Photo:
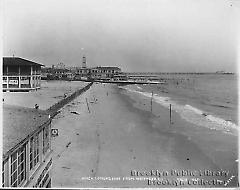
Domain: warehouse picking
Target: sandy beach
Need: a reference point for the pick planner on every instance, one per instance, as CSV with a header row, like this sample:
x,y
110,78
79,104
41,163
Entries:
x,y
120,94
107,134
50,93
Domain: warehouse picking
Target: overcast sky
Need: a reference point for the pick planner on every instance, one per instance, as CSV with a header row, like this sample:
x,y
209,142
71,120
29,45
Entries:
x,y
136,35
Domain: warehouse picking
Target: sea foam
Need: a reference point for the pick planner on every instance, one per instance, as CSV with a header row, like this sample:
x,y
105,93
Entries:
x,y
189,113
197,111
139,87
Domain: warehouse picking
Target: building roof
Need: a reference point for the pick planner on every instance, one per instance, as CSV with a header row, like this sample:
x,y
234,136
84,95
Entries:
x,y
18,61
18,123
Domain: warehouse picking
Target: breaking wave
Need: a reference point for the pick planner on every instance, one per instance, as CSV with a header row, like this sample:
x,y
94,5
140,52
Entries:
x,y
190,113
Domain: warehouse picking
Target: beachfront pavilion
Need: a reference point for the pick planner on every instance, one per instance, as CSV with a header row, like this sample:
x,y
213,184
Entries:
x,y
83,72
27,154
20,74
106,73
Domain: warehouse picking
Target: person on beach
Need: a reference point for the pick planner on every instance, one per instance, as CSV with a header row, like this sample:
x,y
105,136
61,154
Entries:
x,y
36,106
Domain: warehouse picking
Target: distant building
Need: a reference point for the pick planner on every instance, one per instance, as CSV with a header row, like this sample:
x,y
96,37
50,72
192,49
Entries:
x,y
82,73
120,77
69,75
55,73
47,73
60,73
104,73
27,154
60,66
20,74
99,73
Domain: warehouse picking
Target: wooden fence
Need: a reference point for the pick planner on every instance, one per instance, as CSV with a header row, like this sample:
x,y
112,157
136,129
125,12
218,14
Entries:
x,y
54,109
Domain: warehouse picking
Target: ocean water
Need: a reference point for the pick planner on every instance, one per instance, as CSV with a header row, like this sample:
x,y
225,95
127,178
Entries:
x,y
205,100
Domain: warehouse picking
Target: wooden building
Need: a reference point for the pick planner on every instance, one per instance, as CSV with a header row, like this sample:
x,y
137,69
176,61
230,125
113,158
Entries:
x,y
104,73
82,73
27,154
20,74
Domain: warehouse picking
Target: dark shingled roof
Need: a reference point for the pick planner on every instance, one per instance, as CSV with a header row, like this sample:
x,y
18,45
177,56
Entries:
x,y
18,123
18,61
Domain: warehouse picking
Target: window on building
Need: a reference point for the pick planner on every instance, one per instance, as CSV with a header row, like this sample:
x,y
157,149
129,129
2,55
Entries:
x,y
46,139
14,169
25,70
13,70
44,180
4,82
18,166
13,82
5,70
34,151
31,152
21,164
25,82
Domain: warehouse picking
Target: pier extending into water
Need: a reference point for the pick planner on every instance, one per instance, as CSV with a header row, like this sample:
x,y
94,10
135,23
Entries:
x,y
175,73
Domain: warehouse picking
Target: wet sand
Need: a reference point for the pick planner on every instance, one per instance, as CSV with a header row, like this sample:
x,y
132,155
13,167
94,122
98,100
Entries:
x,y
220,148
120,135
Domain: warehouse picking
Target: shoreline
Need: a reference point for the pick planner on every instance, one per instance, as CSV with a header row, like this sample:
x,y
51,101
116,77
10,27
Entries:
x,y
188,112
211,144
213,95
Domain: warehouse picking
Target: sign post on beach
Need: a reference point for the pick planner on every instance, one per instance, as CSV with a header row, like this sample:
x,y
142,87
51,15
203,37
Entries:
x,y
170,113
151,101
54,132
87,105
